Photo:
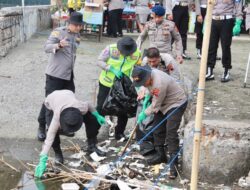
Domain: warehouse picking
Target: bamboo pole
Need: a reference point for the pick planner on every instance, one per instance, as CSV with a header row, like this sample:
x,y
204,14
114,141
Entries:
x,y
200,97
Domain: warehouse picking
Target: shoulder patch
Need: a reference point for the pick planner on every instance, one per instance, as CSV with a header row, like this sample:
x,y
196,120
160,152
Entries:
x,y
115,54
55,33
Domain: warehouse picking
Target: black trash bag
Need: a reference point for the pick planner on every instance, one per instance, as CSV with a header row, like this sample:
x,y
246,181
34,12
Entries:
x,y
122,98
147,146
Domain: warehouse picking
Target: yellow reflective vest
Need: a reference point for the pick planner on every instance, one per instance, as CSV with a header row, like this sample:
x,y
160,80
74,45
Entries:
x,y
74,4
119,62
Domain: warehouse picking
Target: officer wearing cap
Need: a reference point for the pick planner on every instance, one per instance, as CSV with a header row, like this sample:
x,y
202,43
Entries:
x,y
116,60
64,112
161,32
179,14
167,96
61,45
226,22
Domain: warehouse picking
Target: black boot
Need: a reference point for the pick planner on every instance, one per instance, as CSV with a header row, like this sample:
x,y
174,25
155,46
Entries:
x,y
158,157
92,148
210,74
41,134
225,76
173,166
58,155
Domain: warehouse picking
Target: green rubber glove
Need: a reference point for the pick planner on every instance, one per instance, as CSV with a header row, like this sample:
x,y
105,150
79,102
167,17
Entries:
x,y
117,73
237,29
101,120
145,102
141,117
41,167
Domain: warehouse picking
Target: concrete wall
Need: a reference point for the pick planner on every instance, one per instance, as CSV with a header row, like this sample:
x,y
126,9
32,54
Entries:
x,y
16,25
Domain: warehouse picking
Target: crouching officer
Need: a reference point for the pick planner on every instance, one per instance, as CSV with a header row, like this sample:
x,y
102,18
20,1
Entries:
x,y
224,26
116,60
164,62
168,100
66,113
161,33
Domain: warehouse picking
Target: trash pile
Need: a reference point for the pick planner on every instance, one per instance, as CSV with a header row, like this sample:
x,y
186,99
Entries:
x,y
116,171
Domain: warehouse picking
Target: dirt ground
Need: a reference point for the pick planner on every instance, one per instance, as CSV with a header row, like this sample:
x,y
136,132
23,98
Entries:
x,y
22,81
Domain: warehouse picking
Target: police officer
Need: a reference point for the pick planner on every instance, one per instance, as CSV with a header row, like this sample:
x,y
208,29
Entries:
x,y
61,44
142,12
64,112
180,16
116,60
164,62
226,22
167,96
200,10
161,32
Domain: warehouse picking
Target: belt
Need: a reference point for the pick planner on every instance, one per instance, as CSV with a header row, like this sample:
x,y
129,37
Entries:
x,y
183,4
203,6
223,17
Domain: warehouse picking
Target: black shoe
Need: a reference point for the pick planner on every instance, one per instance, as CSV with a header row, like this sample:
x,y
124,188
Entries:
x,y
92,148
120,136
209,75
174,164
41,134
58,156
226,76
185,56
158,157
120,35
68,134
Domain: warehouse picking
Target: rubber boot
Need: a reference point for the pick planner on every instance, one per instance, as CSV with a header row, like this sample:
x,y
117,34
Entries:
x,y
58,155
41,134
92,148
173,166
158,157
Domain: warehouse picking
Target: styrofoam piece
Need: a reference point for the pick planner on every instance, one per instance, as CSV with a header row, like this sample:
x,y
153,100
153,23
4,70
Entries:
x,y
70,186
96,158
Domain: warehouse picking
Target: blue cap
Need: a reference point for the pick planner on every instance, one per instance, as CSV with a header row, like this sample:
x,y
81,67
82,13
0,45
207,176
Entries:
x,y
158,10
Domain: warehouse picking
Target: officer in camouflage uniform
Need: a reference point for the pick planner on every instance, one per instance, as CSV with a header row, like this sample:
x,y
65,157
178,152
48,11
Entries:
x,y
161,32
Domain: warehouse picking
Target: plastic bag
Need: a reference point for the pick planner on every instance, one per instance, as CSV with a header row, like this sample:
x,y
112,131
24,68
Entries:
x,y
122,98
147,146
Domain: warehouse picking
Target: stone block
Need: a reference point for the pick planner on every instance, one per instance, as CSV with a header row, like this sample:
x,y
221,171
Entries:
x,y
7,33
224,151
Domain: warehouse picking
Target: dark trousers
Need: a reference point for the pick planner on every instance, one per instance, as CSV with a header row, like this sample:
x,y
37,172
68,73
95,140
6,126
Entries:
x,y
52,84
221,30
115,22
198,29
167,132
101,97
91,127
181,18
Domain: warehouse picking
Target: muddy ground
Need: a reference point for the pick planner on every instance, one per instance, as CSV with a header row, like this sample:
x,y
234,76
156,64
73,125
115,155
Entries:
x,y
22,82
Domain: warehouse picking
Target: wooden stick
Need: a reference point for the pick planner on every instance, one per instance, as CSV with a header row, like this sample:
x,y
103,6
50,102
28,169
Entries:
x,y
200,97
5,76
7,164
129,140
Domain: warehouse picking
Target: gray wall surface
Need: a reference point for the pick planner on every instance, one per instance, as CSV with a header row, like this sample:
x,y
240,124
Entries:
x,y
18,24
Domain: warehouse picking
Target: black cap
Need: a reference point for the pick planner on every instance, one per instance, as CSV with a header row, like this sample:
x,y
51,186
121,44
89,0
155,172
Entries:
x,y
126,46
76,18
141,74
71,119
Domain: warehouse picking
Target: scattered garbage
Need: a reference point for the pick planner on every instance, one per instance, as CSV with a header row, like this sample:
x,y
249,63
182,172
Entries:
x,y
96,158
70,186
244,182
